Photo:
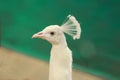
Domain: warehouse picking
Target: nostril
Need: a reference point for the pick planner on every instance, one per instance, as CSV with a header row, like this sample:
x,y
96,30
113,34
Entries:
x,y
40,33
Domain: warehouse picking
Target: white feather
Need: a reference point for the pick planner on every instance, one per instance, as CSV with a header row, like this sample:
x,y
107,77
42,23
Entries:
x,y
72,27
60,63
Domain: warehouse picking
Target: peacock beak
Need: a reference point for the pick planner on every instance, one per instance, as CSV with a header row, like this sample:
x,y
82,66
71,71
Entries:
x,y
38,35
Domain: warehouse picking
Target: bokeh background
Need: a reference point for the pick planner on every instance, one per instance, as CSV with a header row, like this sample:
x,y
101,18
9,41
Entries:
x,y
98,50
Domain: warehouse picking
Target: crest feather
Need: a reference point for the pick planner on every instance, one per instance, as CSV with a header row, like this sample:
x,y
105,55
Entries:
x,y
72,27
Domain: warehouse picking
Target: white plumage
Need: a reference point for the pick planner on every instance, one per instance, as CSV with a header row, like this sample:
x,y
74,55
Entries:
x,y
60,67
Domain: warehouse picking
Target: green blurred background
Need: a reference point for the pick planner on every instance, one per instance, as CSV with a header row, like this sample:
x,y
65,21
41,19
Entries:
x,y
98,50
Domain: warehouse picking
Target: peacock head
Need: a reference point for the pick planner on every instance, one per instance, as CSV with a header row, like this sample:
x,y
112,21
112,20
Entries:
x,y
55,34
52,34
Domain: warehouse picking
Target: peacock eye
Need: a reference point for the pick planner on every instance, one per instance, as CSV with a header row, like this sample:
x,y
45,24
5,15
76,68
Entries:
x,y
52,33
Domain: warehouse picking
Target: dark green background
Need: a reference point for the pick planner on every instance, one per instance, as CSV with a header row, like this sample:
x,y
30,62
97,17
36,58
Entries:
x,y
98,50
